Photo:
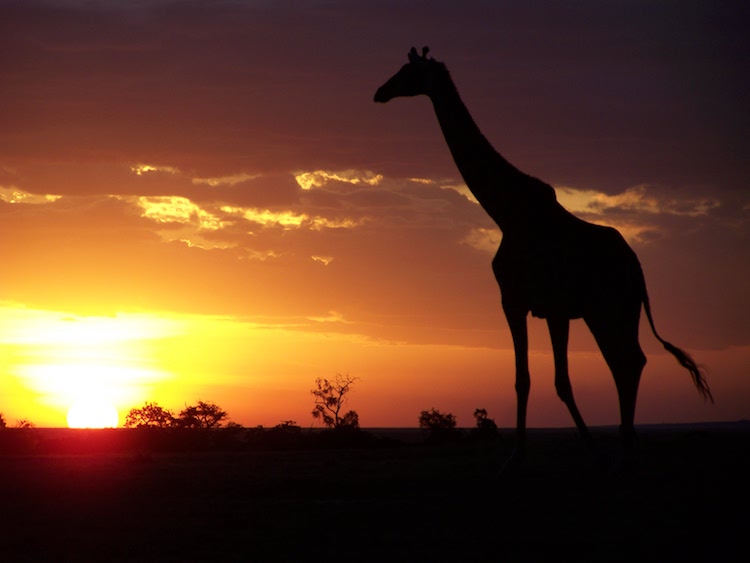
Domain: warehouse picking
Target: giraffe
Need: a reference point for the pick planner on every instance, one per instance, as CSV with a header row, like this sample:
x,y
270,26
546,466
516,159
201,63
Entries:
x,y
549,263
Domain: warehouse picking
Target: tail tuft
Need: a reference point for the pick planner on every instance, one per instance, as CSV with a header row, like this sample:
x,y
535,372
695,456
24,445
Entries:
x,y
697,373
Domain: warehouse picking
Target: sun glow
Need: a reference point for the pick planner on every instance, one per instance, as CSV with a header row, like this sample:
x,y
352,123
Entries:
x,y
83,368
88,388
89,413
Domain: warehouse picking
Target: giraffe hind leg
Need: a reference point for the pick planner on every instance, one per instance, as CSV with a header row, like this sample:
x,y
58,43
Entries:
x,y
617,337
627,376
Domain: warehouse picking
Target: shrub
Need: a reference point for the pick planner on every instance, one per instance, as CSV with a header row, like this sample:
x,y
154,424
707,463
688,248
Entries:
x,y
440,427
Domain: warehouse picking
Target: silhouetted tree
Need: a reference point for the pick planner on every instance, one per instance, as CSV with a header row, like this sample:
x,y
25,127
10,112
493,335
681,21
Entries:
x,y
290,425
486,427
151,415
441,426
25,423
3,424
330,398
349,420
202,415
434,419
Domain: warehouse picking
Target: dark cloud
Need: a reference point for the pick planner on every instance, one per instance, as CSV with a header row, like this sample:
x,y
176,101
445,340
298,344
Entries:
x,y
597,95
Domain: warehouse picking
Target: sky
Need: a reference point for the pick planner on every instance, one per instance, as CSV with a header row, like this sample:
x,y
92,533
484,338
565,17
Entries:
x,y
200,201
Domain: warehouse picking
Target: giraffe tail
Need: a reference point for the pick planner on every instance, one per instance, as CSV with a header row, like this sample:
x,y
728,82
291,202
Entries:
x,y
697,372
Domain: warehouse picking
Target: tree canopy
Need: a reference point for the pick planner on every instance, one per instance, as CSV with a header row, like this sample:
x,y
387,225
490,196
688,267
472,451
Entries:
x,y
152,415
330,398
202,415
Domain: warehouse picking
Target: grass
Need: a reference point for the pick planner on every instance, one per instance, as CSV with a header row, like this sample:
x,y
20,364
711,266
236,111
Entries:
x,y
687,499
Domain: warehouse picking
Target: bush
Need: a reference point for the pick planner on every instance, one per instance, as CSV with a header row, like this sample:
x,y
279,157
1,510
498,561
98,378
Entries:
x,y
440,427
486,428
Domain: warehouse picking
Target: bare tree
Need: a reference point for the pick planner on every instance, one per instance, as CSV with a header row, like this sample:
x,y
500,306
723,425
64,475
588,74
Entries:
x,y
330,398
25,423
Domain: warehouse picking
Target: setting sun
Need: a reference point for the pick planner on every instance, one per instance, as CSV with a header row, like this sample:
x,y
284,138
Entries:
x,y
92,414
82,370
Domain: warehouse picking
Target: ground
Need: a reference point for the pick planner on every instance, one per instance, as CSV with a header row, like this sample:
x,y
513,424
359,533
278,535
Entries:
x,y
686,500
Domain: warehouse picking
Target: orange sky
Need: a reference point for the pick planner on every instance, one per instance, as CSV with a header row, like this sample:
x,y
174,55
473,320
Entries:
x,y
201,201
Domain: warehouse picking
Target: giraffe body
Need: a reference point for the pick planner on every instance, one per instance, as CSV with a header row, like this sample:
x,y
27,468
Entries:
x,y
550,263
566,267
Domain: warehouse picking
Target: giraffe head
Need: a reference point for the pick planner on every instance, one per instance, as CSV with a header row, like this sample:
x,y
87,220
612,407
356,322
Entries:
x,y
415,77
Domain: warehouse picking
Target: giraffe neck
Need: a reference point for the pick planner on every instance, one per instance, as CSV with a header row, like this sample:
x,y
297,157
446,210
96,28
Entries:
x,y
487,174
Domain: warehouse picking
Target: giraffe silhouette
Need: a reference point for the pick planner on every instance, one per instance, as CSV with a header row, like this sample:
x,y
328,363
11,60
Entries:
x,y
550,263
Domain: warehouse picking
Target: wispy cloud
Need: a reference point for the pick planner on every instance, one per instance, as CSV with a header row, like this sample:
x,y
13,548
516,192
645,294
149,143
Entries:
x,y
15,195
176,209
226,180
319,223
637,198
635,211
266,217
319,178
141,169
486,240
261,255
288,219
462,189
196,240
325,260
331,317
184,220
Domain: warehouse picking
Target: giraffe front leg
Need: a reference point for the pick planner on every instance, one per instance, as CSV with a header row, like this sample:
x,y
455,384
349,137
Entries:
x,y
558,330
517,324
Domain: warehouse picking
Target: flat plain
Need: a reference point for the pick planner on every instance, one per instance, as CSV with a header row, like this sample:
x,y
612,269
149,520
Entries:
x,y
94,496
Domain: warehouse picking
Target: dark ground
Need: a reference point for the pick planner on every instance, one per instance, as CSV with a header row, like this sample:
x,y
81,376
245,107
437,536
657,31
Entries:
x,y
686,501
